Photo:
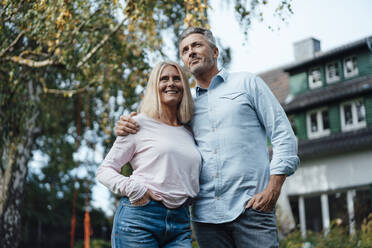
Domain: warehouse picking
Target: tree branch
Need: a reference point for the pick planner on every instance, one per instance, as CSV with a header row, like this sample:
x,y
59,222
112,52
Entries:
x,y
32,63
47,62
27,52
100,44
12,44
68,92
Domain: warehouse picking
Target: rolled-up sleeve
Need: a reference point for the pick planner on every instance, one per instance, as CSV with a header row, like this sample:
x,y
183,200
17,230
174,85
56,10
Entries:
x,y
108,172
278,129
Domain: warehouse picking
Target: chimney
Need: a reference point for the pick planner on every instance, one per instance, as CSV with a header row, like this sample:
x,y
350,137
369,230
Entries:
x,y
306,49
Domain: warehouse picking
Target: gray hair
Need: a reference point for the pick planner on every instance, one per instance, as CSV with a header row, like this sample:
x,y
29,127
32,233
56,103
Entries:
x,y
208,35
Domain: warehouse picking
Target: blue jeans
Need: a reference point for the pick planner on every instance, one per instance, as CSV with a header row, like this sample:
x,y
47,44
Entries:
x,y
152,225
252,229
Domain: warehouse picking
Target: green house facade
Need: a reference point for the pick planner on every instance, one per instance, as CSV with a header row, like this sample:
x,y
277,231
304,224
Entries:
x,y
330,107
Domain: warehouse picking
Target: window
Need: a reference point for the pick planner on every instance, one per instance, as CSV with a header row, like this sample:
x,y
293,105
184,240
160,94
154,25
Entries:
x,y
350,67
353,115
338,208
293,201
362,204
332,73
317,123
315,78
313,214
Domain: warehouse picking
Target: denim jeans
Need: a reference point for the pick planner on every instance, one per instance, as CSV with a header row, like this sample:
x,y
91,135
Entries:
x,y
252,229
152,225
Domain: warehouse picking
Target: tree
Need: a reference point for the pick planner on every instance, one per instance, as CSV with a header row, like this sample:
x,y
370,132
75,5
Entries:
x,y
47,210
68,68
67,52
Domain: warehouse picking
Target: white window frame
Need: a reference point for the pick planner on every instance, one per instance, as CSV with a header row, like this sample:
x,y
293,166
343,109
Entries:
x,y
335,78
321,131
317,84
355,125
353,73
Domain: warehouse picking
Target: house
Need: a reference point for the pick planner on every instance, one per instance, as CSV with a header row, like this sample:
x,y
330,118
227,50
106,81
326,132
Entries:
x,y
328,99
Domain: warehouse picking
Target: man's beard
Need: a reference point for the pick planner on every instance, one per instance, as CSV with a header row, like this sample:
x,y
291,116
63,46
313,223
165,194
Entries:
x,y
201,67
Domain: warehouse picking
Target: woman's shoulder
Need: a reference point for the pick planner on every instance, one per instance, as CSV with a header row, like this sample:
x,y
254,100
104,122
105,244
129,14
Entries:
x,y
150,123
142,119
145,122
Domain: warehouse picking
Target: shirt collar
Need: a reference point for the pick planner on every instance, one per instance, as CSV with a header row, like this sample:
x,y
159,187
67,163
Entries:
x,y
219,78
223,74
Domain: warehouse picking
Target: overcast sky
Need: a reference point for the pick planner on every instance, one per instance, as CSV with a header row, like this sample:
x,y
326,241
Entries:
x,y
333,22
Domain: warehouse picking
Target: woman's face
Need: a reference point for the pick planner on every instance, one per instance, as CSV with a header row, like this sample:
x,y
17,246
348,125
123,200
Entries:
x,y
170,86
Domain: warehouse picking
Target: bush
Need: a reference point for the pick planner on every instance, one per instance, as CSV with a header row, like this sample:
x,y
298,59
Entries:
x,y
94,243
337,237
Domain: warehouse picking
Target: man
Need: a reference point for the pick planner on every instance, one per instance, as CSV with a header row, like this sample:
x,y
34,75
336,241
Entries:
x,y
234,115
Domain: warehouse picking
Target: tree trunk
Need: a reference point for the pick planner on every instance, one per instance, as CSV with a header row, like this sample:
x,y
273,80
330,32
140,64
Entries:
x,y
18,152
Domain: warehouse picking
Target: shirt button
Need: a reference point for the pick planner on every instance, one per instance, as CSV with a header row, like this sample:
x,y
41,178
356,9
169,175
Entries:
x,y
214,151
217,197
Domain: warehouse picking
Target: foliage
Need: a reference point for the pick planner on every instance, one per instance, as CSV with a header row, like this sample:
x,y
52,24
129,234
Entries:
x,y
195,244
247,11
366,233
337,237
95,243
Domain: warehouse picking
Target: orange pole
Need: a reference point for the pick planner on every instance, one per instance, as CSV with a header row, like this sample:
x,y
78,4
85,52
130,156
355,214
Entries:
x,y
87,226
87,229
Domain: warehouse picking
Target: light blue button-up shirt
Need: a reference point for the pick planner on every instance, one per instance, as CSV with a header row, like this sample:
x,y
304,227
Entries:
x,y
231,123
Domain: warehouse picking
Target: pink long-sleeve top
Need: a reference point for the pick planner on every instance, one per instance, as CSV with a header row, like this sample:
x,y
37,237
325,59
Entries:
x,y
164,159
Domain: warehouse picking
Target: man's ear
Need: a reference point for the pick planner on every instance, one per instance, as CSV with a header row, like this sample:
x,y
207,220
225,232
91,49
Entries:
x,y
216,52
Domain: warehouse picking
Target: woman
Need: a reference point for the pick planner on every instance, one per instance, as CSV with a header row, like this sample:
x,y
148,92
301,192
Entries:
x,y
154,211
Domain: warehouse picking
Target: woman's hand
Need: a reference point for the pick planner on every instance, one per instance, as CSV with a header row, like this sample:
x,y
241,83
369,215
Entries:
x,y
146,199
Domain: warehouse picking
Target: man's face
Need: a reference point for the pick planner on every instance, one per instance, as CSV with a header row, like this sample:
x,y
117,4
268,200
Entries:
x,y
197,55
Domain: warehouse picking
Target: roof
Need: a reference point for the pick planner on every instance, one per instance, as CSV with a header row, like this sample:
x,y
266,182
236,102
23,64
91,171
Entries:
x,y
335,143
330,93
319,56
278,82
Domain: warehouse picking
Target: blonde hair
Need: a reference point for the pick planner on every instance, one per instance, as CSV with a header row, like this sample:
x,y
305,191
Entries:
x,y
151,105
